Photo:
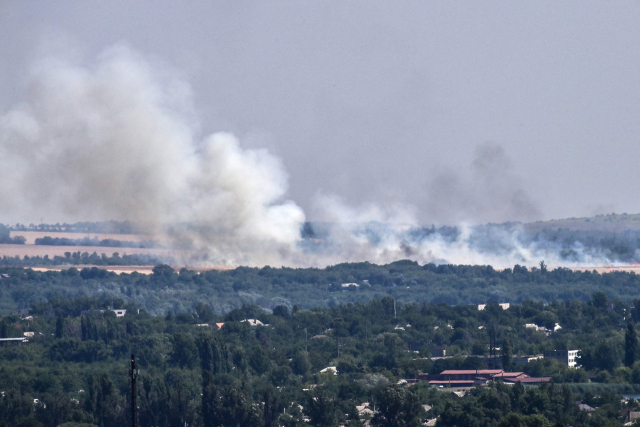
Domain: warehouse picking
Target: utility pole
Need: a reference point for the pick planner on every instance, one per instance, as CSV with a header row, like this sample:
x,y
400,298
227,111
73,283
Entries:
x,y
133,373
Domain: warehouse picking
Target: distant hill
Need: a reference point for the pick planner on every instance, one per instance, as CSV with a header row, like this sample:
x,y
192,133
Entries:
x,y
611,222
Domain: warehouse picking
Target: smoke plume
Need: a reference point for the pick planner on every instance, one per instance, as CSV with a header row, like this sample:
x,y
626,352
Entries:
x,y
118,139
493,193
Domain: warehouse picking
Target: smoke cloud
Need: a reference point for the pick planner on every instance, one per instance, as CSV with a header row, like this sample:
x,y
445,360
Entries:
x,y
493,193
118,139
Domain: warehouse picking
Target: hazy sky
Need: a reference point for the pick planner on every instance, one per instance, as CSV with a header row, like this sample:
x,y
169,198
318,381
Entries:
x,y
485,111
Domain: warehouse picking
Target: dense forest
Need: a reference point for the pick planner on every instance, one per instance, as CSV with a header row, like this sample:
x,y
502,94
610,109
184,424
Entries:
x,y
407,282
196,374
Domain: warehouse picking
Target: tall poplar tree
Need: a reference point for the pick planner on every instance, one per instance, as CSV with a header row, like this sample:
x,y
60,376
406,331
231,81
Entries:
x,y
630,345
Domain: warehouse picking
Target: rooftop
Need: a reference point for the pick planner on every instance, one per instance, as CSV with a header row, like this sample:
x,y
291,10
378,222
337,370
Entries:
x,y
472,372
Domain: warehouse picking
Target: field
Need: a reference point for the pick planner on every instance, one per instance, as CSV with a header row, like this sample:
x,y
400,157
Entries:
x,y
31,236
142,269
42,250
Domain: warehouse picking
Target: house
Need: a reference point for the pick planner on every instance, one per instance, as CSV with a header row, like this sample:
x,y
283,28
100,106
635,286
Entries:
x,y
470,374
503,305
585,407
253,322
510,376
220,325
542,328
330,370
470,378
119,313
364,410
347,285
631,417
568,357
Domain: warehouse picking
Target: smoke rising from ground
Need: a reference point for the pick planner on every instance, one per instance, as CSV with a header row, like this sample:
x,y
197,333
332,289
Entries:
x,y
118,139
493,193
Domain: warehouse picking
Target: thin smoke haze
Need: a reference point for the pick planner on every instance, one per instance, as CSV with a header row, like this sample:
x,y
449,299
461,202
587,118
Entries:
x,y
118,139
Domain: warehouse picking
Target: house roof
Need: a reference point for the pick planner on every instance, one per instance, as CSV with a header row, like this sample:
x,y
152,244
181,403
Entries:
x,y
472,372
511,375
451,381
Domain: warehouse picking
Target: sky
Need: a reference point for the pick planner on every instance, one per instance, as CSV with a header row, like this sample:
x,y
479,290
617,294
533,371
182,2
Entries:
x,y
465,111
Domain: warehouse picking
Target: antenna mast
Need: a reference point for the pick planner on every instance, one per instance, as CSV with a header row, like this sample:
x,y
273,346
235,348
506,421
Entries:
x,y
133,373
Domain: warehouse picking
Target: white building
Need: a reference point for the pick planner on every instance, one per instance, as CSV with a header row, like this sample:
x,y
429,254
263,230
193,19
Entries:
x,y
503,305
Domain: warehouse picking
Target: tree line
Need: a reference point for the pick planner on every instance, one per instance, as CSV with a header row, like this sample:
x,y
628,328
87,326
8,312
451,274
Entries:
x,y
404,281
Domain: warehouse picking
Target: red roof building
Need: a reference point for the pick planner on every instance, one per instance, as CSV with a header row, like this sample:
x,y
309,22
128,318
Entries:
x,y
470,377
453,374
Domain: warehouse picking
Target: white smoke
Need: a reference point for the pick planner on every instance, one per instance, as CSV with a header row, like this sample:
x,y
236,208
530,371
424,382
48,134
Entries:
x,y
117,139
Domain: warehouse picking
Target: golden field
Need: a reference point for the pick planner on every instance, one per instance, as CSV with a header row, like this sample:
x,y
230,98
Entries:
x,y
42,250
31,236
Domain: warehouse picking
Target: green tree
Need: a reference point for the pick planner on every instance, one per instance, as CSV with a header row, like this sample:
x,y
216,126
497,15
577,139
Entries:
x,y
543,266
59,327
300,363
397,407
213,354
322,408
630,345
507,354
184,352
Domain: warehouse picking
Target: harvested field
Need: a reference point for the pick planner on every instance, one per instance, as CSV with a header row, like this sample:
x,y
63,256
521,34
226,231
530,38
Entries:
x,y
142,269
611,269
31,236
42,250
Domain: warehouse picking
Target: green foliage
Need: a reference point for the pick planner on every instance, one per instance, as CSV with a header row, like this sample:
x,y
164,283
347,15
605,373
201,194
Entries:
x,y
215,293
397,407
269,375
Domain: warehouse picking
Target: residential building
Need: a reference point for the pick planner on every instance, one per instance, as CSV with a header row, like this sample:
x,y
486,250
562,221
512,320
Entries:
x,y
471,378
